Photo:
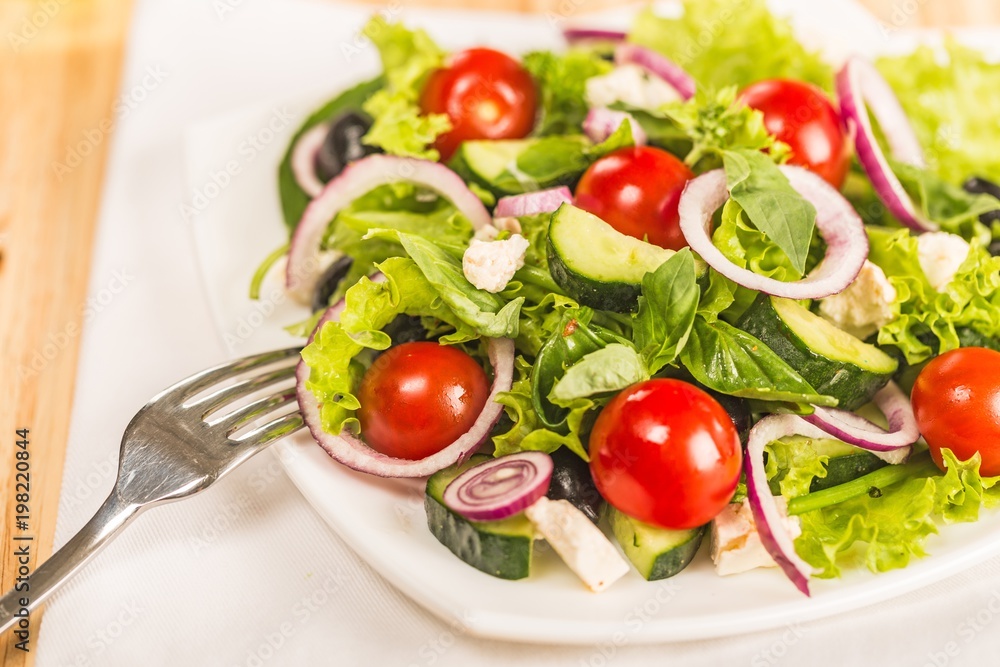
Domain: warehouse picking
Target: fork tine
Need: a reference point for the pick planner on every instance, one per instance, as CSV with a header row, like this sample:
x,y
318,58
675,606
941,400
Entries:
x,y
227,394
274,429
212,376
247,413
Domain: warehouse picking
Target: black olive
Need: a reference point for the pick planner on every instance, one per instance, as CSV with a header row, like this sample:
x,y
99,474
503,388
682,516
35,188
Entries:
x,y
995,248
343,144
738,411
571,481
981,186
330,281
405,329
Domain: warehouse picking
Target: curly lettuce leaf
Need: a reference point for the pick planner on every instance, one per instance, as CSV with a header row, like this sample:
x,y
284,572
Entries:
x,y
408,57
745,43
332,356
793,463
527,433
561,79
953,109
889,527
971,299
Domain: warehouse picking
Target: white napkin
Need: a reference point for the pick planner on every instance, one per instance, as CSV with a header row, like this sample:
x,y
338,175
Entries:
x,y
246,574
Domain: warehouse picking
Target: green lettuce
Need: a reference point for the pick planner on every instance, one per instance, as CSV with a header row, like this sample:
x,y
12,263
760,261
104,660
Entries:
x,y
927,322
952,103
561,80
889,527
408,57
793,463
335,368
730,43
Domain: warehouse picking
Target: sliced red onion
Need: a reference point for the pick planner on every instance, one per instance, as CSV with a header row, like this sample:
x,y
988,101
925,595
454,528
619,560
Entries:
x,y
767,517
893,446
352,452
532,203
860,89
500,488
304,159
577,35
658,65
836,220
357,179
602,122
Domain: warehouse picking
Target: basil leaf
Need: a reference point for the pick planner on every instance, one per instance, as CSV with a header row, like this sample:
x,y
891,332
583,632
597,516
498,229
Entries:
x,y
731,361
771,203
611,368
489,314
571,341
956,210
666,310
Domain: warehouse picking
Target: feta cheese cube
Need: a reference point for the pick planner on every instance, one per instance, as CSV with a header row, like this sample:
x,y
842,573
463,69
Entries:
x,y
489,265
581,544
629,84
865,306
940,255
736,545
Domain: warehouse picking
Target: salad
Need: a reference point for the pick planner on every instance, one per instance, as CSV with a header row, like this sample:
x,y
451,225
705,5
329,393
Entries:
x,y
646,290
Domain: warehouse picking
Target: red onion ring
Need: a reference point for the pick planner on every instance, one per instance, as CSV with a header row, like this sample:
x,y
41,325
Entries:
x,y
577,35
602,122
836,220
352,452
532,203
500,488
658,65
357,179
303,160
773,536
860,89
893,446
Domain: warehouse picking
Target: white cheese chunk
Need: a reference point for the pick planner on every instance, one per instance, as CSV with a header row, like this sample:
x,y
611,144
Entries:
x,y
489,265
736,545
631,85
940,255
865,306
580,543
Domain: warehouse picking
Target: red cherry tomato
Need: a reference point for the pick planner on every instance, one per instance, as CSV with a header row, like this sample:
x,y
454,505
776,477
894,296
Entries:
x,y
485,93
956,399
665,452
636,191
803,117
417,398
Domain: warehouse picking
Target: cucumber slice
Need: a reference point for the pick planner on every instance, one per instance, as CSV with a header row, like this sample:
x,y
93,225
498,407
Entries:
x,y
488,159
596,264
834,362
500,548
657,553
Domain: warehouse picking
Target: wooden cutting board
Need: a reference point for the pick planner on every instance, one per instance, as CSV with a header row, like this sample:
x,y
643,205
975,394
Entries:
x,y
60,65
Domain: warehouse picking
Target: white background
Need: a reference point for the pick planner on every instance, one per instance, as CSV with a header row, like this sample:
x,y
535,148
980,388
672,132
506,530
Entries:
x,y
247,574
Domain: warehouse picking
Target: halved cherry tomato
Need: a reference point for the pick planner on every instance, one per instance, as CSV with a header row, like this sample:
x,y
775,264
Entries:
x,y
802,116
485,93
417,398
665,452
956,399
636,190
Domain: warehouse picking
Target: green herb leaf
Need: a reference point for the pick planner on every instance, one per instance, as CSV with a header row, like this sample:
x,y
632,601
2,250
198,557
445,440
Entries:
x,y
608,369
561,80
731,361
666,310
771,203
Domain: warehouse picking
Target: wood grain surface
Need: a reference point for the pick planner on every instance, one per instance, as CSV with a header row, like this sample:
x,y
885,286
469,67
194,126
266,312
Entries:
x,y
60,64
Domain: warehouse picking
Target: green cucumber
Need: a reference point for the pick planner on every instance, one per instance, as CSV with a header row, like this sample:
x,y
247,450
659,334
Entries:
x,y
500,548
487,159
596,264
834,362
657,553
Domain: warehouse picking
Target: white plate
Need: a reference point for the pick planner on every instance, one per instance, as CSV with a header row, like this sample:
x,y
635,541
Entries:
x,y
383,520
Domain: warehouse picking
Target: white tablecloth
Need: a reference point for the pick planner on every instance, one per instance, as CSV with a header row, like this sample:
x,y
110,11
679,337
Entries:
x,y
246,574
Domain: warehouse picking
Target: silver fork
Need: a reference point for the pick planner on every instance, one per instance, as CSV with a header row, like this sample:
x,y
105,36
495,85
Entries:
x,y
173,448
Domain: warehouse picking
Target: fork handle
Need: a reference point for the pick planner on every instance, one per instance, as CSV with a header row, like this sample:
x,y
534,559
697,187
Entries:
x,y
113,515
